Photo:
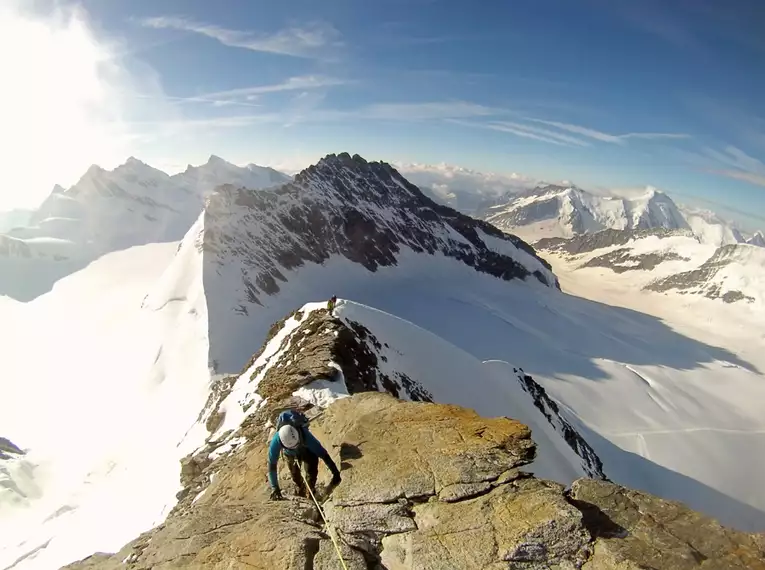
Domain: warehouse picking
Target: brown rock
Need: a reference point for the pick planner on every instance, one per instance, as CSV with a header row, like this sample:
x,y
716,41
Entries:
x,y
638,530
413,450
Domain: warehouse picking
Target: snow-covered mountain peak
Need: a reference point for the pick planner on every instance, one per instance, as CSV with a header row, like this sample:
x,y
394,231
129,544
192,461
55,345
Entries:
x,y
353,179
92,172
362,217
565,210
109,210
757,239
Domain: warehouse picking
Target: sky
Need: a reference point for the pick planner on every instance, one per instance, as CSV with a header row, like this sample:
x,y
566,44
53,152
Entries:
x,y
605,93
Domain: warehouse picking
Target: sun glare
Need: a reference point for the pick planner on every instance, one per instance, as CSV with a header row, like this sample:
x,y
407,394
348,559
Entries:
x,y
59,106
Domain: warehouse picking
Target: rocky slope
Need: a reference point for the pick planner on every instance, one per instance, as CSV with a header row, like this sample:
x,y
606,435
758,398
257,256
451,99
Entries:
x,y
734,273
670,260
425,485
615,249
356,217
757,239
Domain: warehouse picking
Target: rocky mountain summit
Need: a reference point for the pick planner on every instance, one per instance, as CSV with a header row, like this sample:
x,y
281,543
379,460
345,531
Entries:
x,y
342,221
425,485
363,211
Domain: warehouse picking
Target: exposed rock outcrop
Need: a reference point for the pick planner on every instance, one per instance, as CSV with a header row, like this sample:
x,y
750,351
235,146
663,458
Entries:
x,y
709,279
430,486
606,238
425,485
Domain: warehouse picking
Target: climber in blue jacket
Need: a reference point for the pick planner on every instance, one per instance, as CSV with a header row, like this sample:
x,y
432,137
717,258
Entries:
x,y
300,447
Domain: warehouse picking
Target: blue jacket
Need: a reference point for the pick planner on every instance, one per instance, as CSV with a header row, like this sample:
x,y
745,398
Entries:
x,y
309,443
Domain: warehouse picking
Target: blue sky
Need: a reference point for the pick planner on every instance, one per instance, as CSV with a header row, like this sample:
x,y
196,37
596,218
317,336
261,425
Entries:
x,y
608,93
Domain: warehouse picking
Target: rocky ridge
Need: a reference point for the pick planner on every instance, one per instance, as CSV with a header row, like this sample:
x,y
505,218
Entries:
x,y
363,211
709,280
425,485
603,239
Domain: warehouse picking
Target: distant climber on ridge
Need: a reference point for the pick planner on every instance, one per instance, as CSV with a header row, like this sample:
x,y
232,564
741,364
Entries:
x,y
300,447
331,303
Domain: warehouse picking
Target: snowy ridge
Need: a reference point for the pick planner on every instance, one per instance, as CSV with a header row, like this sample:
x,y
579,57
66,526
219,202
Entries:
x,y
558,211
105,211
710,228
376,351
757,239
414,364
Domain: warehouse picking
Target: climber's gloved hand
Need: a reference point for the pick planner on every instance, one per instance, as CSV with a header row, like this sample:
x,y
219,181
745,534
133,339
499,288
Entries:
x,y
276,495
335,479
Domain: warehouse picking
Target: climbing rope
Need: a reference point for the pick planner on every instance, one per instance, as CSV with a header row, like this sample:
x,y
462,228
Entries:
x,y
330,530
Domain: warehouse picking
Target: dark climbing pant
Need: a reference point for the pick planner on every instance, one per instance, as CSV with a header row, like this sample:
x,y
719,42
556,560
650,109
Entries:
x,y
311,463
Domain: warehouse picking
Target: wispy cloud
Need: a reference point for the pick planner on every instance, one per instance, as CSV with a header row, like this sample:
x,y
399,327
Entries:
x,y
607,137
303,111
738,165
537,133
299,83
731,162
246,96
310,41
424,111
524,131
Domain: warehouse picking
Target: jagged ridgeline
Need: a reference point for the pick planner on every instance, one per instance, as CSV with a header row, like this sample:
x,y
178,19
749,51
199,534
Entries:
x,y
425,485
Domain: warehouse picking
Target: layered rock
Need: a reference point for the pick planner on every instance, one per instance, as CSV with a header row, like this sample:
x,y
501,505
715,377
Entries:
x,y
429,486
425,485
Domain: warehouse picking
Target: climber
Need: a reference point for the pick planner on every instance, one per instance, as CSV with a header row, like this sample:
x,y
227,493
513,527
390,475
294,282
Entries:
x,y
331,303
300,447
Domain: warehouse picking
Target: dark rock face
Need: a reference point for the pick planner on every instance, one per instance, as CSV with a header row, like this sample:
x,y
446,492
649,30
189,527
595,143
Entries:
x,y
424,486
701,281
623,260
8,448
364,211
606,238
591,463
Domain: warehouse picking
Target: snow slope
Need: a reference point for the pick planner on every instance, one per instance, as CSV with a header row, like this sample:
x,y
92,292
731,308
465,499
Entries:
x,y
102,392
710,228
138,335
13,218
667,262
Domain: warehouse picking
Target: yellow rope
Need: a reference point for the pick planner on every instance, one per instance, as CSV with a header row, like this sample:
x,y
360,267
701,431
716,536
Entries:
x,y
326,522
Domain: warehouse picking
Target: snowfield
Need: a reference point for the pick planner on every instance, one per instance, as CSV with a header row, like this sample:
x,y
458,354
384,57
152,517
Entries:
x,y
666,413
105,377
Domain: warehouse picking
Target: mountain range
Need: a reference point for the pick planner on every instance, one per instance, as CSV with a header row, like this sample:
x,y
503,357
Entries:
x,y
107,211
162,357
566,211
